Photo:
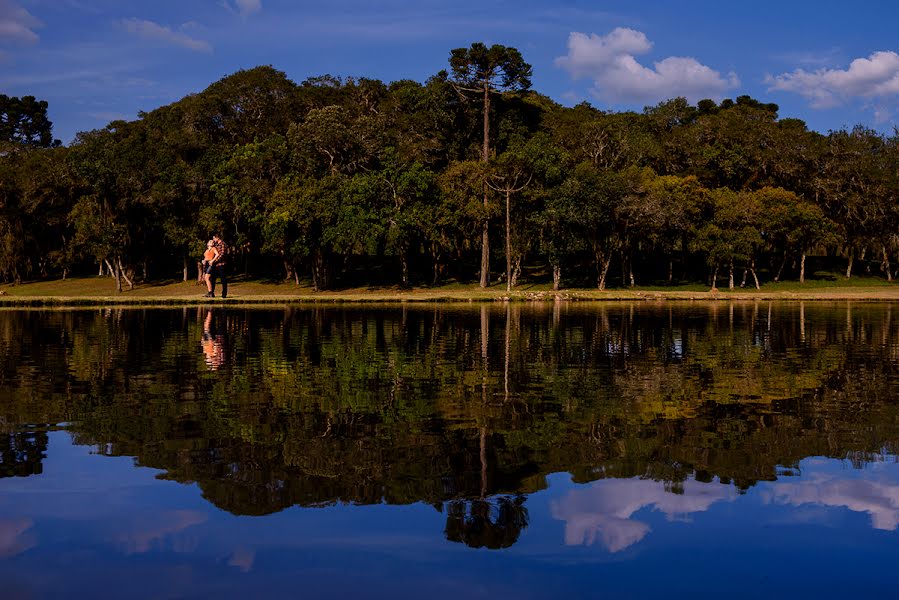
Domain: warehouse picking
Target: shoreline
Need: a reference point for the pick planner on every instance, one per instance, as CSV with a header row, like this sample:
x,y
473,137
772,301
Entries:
x,y
161,296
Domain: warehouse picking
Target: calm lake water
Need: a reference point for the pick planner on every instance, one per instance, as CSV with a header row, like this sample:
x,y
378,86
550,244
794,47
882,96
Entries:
x,y
451,451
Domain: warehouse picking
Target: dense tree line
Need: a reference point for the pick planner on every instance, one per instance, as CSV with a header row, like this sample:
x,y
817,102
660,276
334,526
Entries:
x,y
354,181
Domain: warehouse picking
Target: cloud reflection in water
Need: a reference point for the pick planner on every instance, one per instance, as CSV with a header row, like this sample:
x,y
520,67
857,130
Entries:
x,y
603,510
877,498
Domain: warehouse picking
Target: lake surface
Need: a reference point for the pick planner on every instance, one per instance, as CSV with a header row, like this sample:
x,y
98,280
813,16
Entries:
x,y
451,451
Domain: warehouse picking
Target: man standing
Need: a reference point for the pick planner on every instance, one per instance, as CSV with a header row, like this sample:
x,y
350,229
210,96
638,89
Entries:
x,y
219,267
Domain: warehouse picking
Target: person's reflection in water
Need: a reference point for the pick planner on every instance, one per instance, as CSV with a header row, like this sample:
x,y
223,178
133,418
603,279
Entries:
x,y
469,522
213,343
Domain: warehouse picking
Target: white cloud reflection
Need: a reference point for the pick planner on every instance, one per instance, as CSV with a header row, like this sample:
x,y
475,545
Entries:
x,y
15,536
879,500
602,512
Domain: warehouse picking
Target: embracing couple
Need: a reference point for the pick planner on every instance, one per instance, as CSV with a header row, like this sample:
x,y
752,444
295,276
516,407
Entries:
x,y
215,264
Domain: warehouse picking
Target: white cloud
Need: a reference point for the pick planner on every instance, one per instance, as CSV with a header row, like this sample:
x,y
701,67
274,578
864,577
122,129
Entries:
x,y
17,25
244,7
152,31
618,77
874,77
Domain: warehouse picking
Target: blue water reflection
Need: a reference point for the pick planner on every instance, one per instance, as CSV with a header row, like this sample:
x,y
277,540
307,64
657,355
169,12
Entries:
x,y
446,452
96,526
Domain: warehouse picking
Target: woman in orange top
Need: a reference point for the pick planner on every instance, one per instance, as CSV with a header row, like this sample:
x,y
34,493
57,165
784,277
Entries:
x,y
209,258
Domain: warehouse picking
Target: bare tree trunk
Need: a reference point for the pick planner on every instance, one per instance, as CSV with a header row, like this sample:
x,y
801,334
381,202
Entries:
x,y
185,269
849,266
745,275
404,261
296,275
485,156
730,280
670,272
288,270
602,266
485,251
115,274
557,277
516,270
438,269
754,276
436,255
123,273
508,242
802,269
715,278
101,273
886,264
630,270
317,270
781,269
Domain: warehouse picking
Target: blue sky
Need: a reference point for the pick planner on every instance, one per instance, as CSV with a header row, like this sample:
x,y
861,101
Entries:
x,y
831,63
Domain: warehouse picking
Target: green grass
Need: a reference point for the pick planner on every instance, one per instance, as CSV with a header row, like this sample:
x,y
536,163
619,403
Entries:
x,y
97,290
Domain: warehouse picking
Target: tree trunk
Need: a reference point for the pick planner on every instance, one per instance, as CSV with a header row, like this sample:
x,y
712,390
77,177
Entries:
x,y
802,269
485,156
602,266
670,272
185,269
124,275
485,251
436,255
115,274
101,273
508,242
516,270
730,279
630,270
849,266
438,268
754,276
886,264
715,279
557,277
781,269
745,275
288,269
404,261
318,271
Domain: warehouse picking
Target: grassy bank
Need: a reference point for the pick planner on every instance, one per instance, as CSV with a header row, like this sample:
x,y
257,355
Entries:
x,y
95,290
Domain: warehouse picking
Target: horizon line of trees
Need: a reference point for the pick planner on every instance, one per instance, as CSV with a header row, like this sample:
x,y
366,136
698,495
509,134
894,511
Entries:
x,y
350,181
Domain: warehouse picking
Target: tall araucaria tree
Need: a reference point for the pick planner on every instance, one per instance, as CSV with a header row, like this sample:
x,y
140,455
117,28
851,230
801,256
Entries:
x,y
478,72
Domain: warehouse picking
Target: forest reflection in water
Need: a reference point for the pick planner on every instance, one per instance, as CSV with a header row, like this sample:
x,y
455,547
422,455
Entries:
x,y
667,407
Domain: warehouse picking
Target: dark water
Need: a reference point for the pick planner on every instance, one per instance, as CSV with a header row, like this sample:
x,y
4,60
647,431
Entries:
x,y
526,451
